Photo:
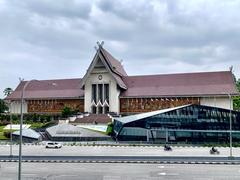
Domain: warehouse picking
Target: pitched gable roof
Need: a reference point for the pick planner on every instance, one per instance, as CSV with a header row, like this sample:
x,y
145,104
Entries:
x,y
185,84
113,66
45,89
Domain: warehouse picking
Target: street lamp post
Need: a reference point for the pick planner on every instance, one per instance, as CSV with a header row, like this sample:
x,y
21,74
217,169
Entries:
x,y
21,123
20,137
10,114
230,124
10,120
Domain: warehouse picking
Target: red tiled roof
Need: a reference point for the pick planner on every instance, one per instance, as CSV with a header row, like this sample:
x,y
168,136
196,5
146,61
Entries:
x,y
94,118
116,66
186,84
44,89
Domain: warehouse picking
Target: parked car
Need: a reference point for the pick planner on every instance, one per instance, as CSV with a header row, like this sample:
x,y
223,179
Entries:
x,y
53,145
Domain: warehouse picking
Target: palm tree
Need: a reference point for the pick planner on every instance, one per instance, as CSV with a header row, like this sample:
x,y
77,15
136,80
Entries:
x,y
7,91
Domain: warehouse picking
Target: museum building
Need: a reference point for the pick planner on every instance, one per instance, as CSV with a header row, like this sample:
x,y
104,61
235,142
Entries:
x,y
106,87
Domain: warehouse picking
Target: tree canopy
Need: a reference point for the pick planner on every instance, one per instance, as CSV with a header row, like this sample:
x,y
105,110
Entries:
x,y
238,84
7,91
3,106
236,100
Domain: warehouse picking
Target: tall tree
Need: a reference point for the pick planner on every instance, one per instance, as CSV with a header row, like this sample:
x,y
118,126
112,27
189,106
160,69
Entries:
x,y
236,99
3,106
238,84
7,91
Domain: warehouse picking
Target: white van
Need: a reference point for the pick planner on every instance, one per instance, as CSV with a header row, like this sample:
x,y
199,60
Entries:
x,y
53,145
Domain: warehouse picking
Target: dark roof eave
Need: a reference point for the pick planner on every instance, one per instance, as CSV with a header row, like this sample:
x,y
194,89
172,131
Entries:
x,y
45,98
173,96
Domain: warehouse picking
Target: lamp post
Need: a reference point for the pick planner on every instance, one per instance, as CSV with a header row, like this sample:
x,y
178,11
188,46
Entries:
x,y
10,114
10,119
230,124
21,123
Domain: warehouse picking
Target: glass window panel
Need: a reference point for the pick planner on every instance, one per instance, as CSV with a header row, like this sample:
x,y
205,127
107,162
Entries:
x,y
94,110
106,92
100,110
94,93
100,93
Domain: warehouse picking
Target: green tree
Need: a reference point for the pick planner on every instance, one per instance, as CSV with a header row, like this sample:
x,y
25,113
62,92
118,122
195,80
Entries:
x,y
3,106
66,111
238,84
110,129
7,91
236,99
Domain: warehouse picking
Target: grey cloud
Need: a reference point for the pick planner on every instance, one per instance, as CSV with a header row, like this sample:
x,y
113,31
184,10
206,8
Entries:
x,y
55,39
60,8
125,9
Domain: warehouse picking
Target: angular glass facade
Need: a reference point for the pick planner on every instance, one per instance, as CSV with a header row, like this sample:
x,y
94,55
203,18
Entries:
x,y
191,123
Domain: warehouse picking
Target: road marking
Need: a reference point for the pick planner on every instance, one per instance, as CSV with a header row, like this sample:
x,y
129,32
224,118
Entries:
x,y
162,174
29,174
167,174
66,175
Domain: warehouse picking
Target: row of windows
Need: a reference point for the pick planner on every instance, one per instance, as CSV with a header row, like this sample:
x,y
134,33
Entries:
x,y
100,93
194,117
100,110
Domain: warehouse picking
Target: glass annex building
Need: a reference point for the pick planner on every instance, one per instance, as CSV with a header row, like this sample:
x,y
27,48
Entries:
x,y
189,123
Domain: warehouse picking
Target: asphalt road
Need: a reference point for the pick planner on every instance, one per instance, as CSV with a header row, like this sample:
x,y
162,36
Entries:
x,y
40,150
123,159
73,171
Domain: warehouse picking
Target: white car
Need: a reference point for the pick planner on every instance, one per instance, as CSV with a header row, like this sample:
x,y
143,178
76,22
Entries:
x,y
53,145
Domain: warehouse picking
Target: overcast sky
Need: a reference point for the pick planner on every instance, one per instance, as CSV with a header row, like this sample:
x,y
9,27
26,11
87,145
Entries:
x,y
47,39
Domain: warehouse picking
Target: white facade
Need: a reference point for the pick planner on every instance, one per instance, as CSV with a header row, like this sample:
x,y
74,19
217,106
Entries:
x,y
220,102
106,78
15,107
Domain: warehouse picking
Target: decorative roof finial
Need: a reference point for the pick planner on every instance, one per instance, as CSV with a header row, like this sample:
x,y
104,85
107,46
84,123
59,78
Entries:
x,y
100,44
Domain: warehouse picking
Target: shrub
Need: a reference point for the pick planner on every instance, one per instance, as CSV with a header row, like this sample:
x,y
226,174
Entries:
x,y
7,134
110,129
3,106
66,112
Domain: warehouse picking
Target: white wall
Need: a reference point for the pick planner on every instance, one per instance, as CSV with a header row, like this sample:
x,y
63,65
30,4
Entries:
x,y
113,90
221,102
15,107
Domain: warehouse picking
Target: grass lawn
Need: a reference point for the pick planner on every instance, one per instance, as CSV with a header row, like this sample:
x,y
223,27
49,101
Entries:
x,y
2,137
35,125
38,125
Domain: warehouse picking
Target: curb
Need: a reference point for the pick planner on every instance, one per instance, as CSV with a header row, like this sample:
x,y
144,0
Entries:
x,y
119,145
127,162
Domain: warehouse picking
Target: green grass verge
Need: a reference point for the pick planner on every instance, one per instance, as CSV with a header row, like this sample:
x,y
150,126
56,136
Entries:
x,y
40,125
2,137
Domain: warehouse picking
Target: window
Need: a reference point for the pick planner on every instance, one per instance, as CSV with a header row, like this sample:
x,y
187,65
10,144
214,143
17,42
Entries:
x,y
106,92
100,98
94,92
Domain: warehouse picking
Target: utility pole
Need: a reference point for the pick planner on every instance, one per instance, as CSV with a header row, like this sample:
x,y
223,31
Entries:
x,y
230,124
10,114
20,137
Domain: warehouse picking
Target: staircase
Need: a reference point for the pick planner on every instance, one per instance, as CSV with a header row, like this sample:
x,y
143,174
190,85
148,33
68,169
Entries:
x,y
93,119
